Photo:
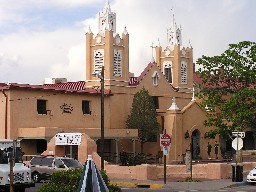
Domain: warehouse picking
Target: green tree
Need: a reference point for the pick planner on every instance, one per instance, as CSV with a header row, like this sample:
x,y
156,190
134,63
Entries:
x,y
228,88
143,117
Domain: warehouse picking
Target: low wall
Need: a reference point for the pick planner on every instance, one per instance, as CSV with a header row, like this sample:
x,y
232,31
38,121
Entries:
x,y
154,172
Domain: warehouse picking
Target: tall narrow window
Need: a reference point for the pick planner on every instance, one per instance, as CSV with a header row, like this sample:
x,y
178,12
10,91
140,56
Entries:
x,y
117,62
98,60
41,106
86,107
168,70
183,72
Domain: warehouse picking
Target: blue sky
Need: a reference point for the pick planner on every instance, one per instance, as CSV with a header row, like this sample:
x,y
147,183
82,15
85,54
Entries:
x,y
45,38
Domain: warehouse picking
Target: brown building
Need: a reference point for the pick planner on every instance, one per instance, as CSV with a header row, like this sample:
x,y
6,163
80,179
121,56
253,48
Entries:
x,y
35,113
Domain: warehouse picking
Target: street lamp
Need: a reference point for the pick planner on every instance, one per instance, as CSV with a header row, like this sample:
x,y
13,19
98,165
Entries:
x,y
101,77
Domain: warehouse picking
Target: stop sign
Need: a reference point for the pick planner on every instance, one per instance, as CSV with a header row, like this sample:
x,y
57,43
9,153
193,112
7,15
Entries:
x,y
237,143
165,140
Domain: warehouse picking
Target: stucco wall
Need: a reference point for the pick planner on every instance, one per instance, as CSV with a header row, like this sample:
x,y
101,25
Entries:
x,y
153,172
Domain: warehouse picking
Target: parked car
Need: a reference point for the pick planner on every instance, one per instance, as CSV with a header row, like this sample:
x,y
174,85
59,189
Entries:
x,y
251,177
42,167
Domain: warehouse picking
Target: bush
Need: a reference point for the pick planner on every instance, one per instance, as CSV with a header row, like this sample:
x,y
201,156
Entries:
x,y
65,180
68,181
130,160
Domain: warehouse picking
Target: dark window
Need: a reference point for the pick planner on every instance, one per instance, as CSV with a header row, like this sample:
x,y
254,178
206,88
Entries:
x,y
168,74
41,145
41,106
86,107
73,163
47,162
36,161
156,103
59,164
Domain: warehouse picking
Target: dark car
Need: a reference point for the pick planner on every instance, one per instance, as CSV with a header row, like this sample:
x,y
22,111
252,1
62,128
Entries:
x,y
42,167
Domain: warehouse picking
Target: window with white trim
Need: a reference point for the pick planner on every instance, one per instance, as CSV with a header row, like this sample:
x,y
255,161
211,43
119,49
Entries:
x,y
98,60
117,62
184,72
167,65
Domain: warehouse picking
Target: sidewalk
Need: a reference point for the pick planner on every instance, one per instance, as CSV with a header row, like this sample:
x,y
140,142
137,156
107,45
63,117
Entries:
x,y
205,185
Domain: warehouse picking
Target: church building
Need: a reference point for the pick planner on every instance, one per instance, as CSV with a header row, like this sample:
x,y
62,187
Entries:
x,y
36,113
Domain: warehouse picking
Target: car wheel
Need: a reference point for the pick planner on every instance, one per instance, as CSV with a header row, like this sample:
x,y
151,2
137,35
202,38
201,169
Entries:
x,y
36,177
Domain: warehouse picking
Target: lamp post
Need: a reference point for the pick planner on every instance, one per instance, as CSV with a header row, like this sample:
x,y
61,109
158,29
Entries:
x,y
101,77
102,118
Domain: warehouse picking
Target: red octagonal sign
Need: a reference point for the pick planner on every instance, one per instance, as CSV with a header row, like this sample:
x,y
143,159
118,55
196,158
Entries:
x,y
165,140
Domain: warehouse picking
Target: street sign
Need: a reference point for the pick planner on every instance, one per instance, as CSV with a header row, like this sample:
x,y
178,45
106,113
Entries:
x,y
165,150
237,143
238,134
165,140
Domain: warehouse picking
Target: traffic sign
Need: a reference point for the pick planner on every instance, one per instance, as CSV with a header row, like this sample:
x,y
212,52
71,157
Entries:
x,y
238,134
165,140
237,143
165,150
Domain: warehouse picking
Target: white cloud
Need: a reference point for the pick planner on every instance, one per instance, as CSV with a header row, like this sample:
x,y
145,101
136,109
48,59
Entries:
x,y
59,51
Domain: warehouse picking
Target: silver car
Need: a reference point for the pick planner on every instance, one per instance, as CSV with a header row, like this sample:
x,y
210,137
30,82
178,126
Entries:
x,y
42,167
251,177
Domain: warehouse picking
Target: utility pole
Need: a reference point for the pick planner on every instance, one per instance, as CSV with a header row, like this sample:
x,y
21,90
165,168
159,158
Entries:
x,y
12,156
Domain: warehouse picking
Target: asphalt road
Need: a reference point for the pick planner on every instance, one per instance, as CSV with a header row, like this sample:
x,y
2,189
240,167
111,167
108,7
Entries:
x,y
235,187
34,189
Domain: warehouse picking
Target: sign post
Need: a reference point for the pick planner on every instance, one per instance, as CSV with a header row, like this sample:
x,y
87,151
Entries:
x,y
165,142
237,144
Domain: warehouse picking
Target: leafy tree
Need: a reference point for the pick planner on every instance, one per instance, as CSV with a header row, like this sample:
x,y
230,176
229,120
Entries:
x,y
143,117
228,88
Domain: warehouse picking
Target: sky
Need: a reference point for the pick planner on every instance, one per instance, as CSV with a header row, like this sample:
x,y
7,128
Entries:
x,y
46,38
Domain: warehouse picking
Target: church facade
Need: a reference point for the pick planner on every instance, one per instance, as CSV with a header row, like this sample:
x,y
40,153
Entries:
x,y
36,113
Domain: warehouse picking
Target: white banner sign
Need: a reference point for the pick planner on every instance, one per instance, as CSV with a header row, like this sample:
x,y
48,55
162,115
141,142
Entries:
x,y
238,134
68,139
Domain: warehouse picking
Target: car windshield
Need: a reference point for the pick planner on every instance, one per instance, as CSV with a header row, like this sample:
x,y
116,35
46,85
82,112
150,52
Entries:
x,y
72,163
4,155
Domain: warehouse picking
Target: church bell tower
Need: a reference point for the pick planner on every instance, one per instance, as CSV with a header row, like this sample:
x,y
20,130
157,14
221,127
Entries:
x,y
176,61
109,49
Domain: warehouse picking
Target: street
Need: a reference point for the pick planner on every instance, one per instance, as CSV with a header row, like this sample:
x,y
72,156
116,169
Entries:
x,y
209,186
236,187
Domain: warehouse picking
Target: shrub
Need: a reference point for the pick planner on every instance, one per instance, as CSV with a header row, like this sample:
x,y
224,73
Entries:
x,y
68,181
65,180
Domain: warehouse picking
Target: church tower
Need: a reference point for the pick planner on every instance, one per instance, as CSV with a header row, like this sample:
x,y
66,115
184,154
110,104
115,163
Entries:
x,y
109,49
176,61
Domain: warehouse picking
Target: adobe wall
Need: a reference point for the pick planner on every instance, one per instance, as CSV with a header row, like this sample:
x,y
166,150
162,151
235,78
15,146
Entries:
x,y
153,172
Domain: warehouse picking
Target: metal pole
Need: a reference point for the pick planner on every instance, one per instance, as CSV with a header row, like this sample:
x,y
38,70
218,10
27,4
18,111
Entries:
x,y
236,156
191,151
164,164
102,118
11,172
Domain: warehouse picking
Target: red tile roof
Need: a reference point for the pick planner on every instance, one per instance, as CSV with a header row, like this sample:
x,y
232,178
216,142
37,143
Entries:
x,y
134,81
78,87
